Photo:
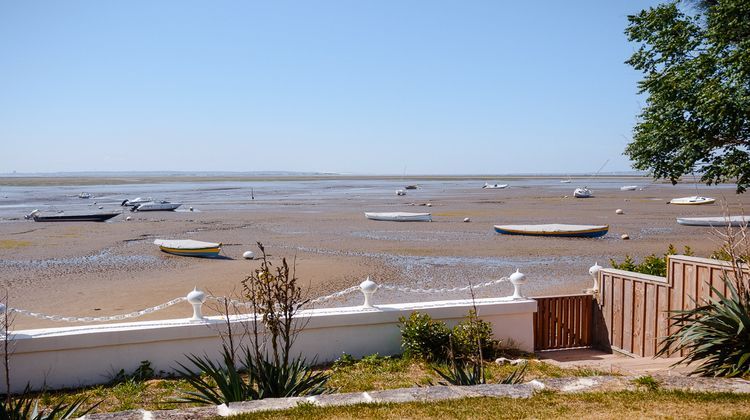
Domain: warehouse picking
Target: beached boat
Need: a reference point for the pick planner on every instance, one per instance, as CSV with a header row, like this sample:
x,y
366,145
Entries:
x,y
156,206
189,247
565,181
400,216
629,188
563,230
84,195
136,201
495,186
694,200
62,217
410,187
400,192
582,193
719,221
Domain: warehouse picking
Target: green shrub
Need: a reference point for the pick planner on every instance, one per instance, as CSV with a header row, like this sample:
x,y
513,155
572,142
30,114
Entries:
x,y
656,266
427,339
471,332
424,338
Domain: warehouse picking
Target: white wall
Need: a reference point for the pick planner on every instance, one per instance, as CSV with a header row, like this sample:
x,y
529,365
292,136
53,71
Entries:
x,y
75,356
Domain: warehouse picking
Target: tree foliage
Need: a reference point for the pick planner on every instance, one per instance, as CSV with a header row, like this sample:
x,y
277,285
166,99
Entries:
x,y
695,60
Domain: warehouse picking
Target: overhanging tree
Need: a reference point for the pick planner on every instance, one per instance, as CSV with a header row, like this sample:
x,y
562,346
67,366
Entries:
x,y
695,59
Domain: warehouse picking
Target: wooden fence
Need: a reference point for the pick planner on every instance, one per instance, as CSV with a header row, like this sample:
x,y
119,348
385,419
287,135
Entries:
x,y
636,307
563,322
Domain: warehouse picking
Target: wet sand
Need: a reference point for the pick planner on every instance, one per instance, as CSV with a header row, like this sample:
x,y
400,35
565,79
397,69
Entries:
x,y
98,269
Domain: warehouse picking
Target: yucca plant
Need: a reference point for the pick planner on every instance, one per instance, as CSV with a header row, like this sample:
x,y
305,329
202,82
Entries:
x,y
463,373
25,408
216,383
716,334
292,379
517,376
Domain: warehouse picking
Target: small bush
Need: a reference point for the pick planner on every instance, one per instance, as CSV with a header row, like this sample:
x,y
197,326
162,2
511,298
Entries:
x,y
424,338
656,266
469,333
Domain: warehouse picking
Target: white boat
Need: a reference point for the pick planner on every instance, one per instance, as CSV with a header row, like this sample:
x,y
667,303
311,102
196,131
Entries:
x,y
400,216
582,193
495,186
84,195
629,188
136,201
694,200
156,206
565,181
189,247
719,221
557,229
400,192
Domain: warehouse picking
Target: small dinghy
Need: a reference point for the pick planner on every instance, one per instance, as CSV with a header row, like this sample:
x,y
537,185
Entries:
x,y
629,188
562,230
694,200
189,247
495,186
582,193
62,217
400,217
410,187
84,195
720,221
156,206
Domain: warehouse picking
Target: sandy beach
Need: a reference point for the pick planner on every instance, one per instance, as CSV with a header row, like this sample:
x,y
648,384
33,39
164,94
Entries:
x,y
98,269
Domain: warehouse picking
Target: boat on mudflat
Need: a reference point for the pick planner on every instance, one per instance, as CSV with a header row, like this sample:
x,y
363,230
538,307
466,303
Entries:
x,y
63,217
694,200
556,229
156,206
582,193
629,188
136,201
495,186
400,216
189,247
718,221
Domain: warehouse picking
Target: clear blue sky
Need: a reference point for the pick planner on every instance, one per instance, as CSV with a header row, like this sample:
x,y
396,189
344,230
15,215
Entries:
x,y
452,87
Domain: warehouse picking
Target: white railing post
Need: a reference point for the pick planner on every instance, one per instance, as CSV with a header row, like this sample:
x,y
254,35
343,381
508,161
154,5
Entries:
x,y
196,298
368,288
594,273
518,279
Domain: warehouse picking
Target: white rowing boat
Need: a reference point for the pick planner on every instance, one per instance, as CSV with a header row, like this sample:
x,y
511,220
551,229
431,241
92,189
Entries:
x,y
189,247
720,221
629,188
694,200
557,229
495,186
399,216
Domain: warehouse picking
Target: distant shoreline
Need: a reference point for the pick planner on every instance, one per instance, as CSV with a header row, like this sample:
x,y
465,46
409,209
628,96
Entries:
x,y
57,180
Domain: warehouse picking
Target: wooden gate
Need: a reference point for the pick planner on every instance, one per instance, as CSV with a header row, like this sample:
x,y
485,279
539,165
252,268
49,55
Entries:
x,y
562,322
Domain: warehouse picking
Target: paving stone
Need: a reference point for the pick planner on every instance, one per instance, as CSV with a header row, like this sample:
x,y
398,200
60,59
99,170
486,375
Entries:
x,y
187,413
263,405
348,398
587,384
499,390
121,415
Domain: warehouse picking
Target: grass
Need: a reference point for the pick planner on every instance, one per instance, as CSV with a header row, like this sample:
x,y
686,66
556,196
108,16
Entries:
x,y
543,405
367,374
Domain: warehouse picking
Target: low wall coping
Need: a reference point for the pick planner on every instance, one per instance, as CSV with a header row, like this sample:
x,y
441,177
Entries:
x,y
47,339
